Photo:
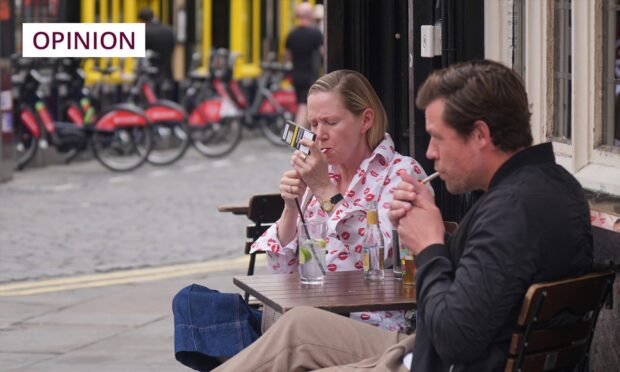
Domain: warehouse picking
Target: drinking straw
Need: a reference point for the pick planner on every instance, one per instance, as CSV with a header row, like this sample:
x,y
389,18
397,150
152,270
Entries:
x,y
301,215
303,222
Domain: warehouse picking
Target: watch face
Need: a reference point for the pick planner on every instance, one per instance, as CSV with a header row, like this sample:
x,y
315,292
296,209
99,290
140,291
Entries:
x,y
327,206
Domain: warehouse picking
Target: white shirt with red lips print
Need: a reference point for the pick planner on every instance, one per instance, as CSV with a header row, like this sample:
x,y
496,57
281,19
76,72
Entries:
x,y
376,179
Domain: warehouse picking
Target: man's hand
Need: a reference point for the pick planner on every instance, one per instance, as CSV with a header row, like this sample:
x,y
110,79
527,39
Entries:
x,y
414,213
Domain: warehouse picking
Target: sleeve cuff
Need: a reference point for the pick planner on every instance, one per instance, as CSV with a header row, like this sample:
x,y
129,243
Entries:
x,y
430,252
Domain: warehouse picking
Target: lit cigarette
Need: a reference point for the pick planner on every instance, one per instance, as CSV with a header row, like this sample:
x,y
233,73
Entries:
x,y
430,178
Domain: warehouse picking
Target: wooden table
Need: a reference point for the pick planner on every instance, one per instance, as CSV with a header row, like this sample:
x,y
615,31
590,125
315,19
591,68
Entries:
x,y
342,293
234,208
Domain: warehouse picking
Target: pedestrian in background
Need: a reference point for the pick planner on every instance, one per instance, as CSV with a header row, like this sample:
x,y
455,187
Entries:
x,y
304,46
159,39
319,17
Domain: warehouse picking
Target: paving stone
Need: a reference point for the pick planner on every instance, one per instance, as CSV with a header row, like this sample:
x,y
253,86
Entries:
x,y
20,361
81,218
61,221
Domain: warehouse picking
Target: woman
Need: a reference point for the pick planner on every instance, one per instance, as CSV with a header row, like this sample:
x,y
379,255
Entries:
x,y
351,163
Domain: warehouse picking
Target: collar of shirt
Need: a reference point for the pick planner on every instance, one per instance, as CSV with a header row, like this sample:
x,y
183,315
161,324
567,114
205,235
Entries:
x,y
542,153
356,198
382,154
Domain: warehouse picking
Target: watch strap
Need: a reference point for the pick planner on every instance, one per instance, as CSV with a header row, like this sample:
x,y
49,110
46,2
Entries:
x,y
328,205
336,198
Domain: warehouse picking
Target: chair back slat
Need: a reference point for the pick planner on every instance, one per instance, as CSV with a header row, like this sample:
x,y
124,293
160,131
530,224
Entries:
x,y
577,295
557,321
543,339
558,359
254,232
450,226
265,208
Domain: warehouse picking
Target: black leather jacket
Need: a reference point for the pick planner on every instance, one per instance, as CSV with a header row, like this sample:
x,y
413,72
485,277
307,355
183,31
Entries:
x,y
532,225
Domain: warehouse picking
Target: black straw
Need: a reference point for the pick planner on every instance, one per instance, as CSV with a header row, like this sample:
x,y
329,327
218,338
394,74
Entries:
x,y
303,222
301,215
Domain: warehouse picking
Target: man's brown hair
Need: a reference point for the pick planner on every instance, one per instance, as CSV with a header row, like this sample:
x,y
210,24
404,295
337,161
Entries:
x,y
481,90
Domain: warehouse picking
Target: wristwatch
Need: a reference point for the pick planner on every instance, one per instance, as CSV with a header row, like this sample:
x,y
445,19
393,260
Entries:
x,y
328,205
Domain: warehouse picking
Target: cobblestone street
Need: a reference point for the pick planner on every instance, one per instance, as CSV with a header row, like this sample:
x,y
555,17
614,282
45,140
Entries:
x,y
80,218
90,260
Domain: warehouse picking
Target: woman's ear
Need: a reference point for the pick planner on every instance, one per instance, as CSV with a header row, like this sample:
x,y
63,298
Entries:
x,y
368,119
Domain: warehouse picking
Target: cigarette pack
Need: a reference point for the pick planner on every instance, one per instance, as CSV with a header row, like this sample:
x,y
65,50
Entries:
x,y
293,134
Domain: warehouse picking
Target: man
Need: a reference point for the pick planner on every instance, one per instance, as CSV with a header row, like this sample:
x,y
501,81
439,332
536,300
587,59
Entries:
x,y
159,39
531,225
304,47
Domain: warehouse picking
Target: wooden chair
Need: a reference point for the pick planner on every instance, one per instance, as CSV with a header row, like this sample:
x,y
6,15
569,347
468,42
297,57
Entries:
x,y
450,226
537,346
263,211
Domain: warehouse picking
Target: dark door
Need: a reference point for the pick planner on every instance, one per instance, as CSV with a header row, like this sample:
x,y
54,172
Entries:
x,y
381,39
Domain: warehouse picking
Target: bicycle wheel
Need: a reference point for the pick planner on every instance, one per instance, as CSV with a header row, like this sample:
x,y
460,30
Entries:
x,y
170,141
272,128
217,139
26,146
123,148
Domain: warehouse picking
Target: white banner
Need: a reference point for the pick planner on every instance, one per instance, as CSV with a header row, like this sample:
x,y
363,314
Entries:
x,y
83,40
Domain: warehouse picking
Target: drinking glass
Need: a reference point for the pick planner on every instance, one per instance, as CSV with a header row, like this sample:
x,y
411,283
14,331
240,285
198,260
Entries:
x,y
311,252
408,266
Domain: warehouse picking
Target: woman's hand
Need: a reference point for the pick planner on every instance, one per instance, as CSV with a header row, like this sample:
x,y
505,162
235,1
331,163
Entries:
x,y
313,170
291,188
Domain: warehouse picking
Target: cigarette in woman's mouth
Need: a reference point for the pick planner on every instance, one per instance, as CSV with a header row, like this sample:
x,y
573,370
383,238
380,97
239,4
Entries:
x,y
430,178
323,150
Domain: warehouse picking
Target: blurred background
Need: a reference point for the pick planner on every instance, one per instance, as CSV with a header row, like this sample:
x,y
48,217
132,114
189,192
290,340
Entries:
x,y
99,228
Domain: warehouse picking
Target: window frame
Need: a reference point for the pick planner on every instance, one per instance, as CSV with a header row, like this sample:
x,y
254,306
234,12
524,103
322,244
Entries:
x,y
561,70
609,65
596,166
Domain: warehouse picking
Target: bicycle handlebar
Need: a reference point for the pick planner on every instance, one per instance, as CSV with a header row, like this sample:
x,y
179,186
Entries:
x,y
40,78
276,67
105,71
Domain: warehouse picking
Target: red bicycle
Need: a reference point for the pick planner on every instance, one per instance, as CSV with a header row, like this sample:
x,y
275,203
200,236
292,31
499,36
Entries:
x,y
168,119
263,101
120,138
219,107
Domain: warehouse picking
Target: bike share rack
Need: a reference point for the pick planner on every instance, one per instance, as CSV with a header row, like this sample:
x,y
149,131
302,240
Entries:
x,y
7,161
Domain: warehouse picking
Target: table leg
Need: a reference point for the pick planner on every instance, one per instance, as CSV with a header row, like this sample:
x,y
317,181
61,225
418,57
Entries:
x,y
269,317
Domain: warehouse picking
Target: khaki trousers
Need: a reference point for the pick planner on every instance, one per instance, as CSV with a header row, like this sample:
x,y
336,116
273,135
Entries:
x,y
309,339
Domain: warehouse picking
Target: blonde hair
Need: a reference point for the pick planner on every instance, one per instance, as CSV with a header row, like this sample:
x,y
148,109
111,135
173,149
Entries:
x,y
357,95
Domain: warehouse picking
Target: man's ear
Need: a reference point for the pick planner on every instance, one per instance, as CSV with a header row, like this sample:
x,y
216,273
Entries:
x,y
481,133
368,119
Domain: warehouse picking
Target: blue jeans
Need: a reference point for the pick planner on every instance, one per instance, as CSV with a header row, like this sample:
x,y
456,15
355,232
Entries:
x,y
210,324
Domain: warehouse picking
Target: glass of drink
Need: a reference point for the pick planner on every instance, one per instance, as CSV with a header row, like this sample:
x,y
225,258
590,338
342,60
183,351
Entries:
x,y
397,266
408,266
311,252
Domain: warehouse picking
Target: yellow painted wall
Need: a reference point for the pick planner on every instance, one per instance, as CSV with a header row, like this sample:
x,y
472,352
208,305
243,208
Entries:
x,y
118,11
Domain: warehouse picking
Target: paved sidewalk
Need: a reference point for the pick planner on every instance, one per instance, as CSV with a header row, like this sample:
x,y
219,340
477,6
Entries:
x,y
126,327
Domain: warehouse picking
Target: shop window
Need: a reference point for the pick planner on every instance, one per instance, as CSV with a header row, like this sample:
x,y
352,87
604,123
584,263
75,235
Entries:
x,y
562,71
611,83
516,35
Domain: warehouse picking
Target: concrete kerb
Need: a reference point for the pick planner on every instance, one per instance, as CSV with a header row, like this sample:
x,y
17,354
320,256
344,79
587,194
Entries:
x,y
124,326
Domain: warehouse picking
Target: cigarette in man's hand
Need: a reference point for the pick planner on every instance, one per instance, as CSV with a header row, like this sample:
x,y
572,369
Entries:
x,y
430,178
